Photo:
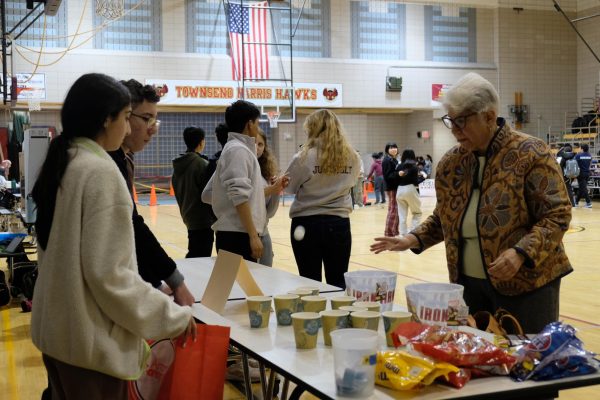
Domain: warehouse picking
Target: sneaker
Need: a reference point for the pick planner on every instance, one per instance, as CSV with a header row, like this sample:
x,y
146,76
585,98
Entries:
x,y
235,372
588,205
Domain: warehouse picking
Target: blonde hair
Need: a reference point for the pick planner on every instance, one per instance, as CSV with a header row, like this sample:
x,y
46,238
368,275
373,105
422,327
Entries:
x,y
267,163
326,134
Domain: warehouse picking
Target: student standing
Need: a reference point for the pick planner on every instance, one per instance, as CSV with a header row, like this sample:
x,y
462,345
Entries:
x,y
92,311
584,160
390,176
268,170
377,173
190,176
235,189
155,265
321,176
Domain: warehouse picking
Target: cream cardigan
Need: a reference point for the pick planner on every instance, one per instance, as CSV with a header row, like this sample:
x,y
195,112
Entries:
x,y
91,309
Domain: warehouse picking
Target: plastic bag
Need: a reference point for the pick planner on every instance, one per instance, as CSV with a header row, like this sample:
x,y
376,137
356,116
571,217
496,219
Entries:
x,y
462,349
401,370
555,353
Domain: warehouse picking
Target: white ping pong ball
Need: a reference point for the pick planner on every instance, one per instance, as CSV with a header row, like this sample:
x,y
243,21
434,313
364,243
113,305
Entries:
x,y
299,233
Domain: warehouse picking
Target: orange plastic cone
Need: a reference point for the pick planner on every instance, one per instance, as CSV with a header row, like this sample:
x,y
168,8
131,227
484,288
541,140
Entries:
x,y
171,190
135,199
153,201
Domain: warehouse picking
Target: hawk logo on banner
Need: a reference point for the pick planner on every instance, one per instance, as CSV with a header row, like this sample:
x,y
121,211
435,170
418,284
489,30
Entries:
x,y
247,27
161,90
330,94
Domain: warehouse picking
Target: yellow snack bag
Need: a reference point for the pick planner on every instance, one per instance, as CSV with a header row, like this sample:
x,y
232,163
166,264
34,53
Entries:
x,y
401,370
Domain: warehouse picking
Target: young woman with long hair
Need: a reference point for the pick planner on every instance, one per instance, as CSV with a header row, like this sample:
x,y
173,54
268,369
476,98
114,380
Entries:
x,y
390,177
91,309
321,176
268,170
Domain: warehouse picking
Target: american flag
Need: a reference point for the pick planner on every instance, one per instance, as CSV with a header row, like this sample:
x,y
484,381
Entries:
x,y
249,23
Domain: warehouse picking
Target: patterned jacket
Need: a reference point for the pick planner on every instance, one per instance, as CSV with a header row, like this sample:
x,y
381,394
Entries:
x,y
523,205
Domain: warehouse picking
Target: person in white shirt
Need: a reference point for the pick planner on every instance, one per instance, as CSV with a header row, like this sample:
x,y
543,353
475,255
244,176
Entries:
x,y
91,309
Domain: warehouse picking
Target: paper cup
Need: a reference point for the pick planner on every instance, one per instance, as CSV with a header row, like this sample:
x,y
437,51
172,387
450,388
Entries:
x,y
259,308
314,291
352,308
340,301
365,320
301,293
369,305
314,303
377,286
333,320
285,306
306,327
391,320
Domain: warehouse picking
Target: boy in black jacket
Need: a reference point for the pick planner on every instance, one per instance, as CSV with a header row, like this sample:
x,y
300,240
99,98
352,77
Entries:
x,y
154,264
190,176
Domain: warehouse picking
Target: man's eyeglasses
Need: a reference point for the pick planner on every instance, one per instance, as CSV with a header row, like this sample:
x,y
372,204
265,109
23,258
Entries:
x,y
150,121
458,122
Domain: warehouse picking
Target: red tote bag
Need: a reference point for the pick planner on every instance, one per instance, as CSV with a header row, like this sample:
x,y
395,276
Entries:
x,y
199,369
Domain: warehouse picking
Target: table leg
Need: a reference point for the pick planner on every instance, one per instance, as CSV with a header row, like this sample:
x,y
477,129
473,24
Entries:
x,y
271,386
284,389
263,380
247,382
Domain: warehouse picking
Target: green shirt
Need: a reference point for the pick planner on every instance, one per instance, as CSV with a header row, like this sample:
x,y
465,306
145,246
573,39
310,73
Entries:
x,y
471,256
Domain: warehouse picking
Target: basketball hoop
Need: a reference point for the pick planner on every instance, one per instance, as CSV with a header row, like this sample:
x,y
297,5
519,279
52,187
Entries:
x,y
110,9
273,117
34,105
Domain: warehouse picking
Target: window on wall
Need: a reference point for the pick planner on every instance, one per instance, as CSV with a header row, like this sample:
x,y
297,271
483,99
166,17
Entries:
x,y
206,27
138,30
312,38
56,26
450,34
378,30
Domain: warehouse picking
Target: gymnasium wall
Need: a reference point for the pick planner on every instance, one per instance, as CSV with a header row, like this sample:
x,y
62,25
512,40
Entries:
x,y
532,51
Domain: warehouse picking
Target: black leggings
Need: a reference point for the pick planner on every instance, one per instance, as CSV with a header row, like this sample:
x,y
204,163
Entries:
x,y
327,241
235,242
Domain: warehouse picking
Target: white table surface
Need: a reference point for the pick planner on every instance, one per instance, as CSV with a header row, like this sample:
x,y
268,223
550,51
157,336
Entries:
x,y
271,281
314,368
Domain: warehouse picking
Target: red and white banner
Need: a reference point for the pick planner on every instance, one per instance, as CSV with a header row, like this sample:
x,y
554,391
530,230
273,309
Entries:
x,y
223,93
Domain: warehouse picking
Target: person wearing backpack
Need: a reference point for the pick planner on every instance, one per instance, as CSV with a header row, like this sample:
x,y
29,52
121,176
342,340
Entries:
x,y
570,169
584,159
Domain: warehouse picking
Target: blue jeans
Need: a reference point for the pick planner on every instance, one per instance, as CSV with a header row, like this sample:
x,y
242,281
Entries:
x,y
379,189
327,241
267,254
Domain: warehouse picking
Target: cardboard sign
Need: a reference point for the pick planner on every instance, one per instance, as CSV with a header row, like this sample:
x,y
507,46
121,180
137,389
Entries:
x,y
228,268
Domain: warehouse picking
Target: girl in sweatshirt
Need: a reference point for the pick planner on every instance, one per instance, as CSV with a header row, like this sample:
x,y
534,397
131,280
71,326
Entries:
x,y
321,176
91,309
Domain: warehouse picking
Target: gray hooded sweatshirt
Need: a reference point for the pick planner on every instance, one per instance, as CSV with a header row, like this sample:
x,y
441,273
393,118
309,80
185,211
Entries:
x,y
317,193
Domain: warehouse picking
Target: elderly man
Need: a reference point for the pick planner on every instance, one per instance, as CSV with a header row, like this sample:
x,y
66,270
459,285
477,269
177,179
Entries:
x,y
502,210
154,265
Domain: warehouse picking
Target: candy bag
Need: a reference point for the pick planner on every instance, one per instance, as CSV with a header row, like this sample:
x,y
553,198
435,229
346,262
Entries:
x,y
401,370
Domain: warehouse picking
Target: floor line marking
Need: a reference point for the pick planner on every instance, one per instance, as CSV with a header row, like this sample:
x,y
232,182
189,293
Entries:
x,y
10,354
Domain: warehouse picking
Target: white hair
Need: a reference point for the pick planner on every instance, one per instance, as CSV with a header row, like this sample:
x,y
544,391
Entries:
x,y
472,93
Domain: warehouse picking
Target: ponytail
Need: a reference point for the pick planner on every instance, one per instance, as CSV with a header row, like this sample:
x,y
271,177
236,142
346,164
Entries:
x,y
46,187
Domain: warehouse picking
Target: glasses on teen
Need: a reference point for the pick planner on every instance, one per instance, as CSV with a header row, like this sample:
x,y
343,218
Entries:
x,y
458,122
150,121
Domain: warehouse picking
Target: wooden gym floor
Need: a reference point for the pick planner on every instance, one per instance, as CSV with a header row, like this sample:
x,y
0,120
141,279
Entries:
x,y
23,375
